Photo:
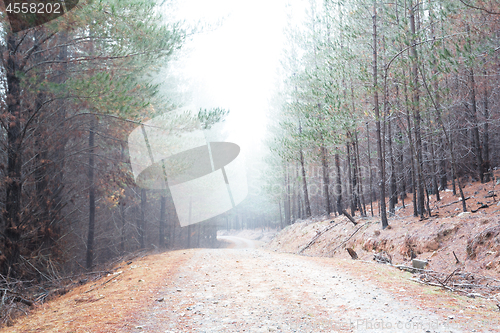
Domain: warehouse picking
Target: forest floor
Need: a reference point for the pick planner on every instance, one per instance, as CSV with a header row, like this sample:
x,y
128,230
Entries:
x,y
254,286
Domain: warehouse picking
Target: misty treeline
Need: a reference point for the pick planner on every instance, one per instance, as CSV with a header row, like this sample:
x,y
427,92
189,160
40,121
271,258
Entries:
x,y
384,99
71,92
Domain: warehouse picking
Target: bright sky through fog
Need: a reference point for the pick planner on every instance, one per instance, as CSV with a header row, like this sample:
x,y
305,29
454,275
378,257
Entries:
x,y
234,66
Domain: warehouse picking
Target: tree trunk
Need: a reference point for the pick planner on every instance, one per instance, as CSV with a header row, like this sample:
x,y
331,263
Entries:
x,y
161,241
475,128
417,117
12,212
412,149
434,172
338,185
369,167
486,137
281,215
142,221
382,207
288,213
304,180
304,186
285,194
393,197
326,179
90,238
402,177
362,206
352,199
122,218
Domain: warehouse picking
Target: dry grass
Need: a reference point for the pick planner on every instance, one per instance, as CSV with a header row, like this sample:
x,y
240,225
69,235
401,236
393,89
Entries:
x,y
110,304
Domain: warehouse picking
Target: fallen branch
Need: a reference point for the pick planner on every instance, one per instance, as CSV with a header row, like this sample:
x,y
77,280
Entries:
x,y
102,284
456,258
412,269
23,300
449,276
482,206
345,241
318,235
454,202
431,284
16,297
491,194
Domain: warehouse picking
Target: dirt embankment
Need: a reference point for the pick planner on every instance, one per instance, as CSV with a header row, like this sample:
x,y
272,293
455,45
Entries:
x,y
450,240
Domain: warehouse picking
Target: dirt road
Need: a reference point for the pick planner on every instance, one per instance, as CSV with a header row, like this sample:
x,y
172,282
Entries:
x,y
239,242
255,290
252,290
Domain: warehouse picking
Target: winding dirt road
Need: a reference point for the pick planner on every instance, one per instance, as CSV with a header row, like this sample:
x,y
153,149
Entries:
x,y
252,290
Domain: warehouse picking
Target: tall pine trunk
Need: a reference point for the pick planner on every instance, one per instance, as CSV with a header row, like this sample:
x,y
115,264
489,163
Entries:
x,y
381,162
326,179
91,231
142,222
370,167
393,196
161,231
12,212
486,136
417,116
338,185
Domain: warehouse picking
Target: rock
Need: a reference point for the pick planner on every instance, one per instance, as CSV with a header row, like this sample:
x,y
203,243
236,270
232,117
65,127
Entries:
x,y
420,264
161,299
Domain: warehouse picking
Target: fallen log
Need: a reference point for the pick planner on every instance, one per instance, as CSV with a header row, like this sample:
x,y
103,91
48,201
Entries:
x,y
346,214
482,206
454,202
491,194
